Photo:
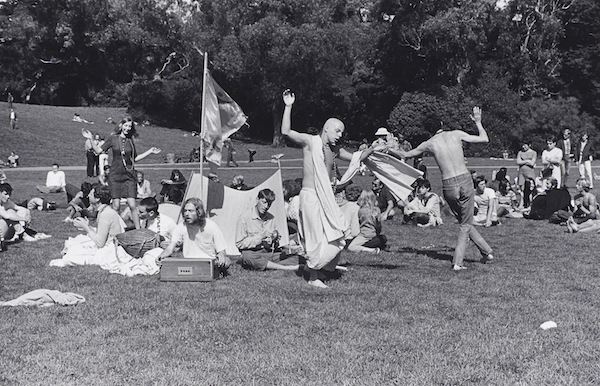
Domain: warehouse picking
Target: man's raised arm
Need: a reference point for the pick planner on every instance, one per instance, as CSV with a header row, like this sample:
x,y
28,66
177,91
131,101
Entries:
x,y
482,136
286,123
422,148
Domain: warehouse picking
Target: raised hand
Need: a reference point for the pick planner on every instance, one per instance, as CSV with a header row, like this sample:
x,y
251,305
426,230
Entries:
x,y
87,134
476,117
288,97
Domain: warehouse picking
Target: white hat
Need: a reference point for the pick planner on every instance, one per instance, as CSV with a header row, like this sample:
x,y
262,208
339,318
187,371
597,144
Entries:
x,y
382,131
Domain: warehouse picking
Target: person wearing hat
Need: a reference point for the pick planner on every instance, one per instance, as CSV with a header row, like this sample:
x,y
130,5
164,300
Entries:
x,y
381,142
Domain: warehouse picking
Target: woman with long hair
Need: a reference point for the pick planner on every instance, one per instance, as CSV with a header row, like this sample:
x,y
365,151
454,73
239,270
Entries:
x,y
122,177
370,238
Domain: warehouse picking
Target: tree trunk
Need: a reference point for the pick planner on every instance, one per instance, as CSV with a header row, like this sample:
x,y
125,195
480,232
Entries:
x,y
278,140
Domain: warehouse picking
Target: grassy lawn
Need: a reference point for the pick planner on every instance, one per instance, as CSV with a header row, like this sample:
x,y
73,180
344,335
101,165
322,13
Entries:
x,y
398,318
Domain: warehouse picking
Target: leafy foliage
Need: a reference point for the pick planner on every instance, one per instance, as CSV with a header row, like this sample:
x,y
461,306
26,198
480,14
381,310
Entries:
x,y
366,63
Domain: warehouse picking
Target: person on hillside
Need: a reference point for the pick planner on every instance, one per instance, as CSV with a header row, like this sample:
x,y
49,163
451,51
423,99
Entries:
x,y
584,159
424,210
419,164
350,209
370,239
13,160
447,149
322,225
526,159
13,119
251,154
552,159
55,181
143,186
566,146
198,236
102,157
258,240
230,152
122,177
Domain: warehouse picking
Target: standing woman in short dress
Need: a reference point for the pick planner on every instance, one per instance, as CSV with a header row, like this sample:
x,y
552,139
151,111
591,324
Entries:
x,y
122,176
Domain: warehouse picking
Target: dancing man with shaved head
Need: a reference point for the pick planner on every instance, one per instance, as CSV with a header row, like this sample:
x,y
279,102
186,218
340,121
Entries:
x,y
321,222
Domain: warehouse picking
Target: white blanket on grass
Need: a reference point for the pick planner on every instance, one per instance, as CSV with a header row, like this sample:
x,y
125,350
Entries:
x,y
81,250
45,298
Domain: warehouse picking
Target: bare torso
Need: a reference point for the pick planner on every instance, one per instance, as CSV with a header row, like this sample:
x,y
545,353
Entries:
x,y
447,148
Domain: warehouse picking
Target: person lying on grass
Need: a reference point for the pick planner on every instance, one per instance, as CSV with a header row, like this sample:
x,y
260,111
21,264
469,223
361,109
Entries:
x,y
198,236
258,240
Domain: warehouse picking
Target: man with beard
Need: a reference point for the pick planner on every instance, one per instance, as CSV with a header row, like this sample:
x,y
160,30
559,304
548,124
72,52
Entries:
x,y
199,236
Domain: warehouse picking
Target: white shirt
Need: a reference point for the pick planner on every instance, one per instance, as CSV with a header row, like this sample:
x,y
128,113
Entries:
x,y
203,244
56,179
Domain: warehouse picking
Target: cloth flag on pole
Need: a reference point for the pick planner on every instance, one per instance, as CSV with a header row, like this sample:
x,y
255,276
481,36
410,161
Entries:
x,y
222,116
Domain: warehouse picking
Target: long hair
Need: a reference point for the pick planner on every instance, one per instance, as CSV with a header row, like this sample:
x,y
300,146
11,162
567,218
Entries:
x,y
368,202
199,209
132,133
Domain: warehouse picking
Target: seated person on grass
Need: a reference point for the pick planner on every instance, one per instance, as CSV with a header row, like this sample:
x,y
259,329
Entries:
x,y
156,222
258,240
545,205
173,189
508,201
198,236
80,205
385,200
98,245
103,177
424,209
586,205
370,238
486,204
15,219
55,181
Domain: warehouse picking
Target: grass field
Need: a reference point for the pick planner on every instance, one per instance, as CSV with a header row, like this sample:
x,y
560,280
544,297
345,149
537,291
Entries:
x,y
398,318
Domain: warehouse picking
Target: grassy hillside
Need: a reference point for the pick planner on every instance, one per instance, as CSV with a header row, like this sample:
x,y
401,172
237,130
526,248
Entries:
x,y
49,134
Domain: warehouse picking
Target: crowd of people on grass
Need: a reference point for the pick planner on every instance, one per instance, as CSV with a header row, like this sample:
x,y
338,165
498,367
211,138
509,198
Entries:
x,y
324,216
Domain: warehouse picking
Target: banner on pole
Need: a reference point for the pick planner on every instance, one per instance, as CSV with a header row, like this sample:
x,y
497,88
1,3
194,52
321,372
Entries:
x,y
223,117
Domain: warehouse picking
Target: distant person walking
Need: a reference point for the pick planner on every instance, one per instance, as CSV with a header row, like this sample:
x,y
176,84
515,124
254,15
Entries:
x,y
13,119
122,178
447,148
91,157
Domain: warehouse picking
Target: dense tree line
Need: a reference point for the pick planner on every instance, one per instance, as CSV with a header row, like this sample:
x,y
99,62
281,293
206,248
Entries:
x,y
413,66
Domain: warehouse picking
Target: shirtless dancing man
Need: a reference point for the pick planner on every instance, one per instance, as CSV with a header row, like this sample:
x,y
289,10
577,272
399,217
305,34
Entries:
x,y
446,147
321,222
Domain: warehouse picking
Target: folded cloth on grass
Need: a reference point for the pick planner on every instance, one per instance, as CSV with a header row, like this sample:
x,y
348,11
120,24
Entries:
x,y
45,298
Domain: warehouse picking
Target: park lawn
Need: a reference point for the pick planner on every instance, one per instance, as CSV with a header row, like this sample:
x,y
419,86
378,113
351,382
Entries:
x,y
400,317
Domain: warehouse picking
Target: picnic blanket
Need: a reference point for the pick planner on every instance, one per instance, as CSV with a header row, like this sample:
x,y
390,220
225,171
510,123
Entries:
x,y
45,298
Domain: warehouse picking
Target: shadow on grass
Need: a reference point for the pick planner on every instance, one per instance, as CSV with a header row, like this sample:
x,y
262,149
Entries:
x,y
437,253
